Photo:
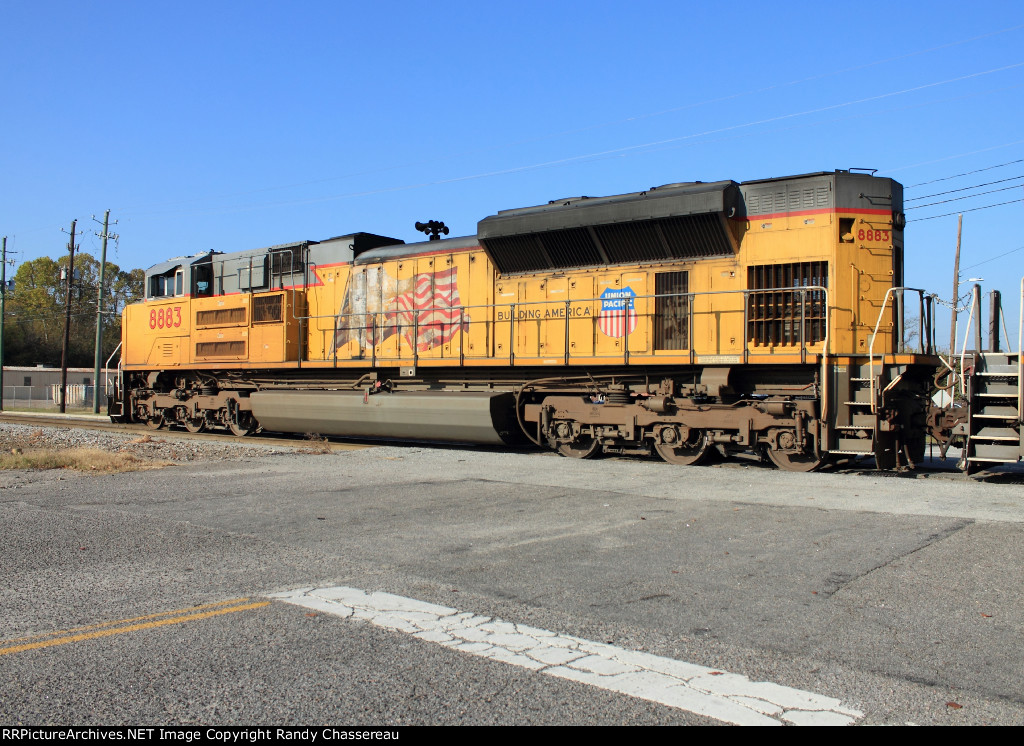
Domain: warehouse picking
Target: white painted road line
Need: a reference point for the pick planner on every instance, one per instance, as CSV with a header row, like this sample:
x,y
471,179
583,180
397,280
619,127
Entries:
x,y
723,696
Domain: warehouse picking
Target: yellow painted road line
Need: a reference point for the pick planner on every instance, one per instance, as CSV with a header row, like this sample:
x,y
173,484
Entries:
x,y
96,634
116,622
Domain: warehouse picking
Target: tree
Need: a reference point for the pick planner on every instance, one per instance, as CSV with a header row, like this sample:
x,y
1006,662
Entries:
x,y
34,325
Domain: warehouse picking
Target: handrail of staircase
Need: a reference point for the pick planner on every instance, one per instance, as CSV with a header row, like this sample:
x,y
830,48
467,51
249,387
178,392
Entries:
x,y
1020,356
963,350
871,347
106,383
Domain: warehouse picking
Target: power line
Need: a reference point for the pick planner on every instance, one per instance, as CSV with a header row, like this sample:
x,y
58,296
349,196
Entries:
x,y
964,189
624,121
586,128
953,158
626,150
998,256
973,209
966,196
967,173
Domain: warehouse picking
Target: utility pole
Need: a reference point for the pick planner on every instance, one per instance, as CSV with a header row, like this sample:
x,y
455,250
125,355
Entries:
x,y
995,310
67,324
3,299
99,313
956,289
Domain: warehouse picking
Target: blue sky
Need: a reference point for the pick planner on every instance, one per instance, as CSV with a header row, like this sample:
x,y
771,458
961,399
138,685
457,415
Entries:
x,y
231,125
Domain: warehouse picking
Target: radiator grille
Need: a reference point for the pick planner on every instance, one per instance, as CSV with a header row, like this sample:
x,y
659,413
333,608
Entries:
x,y
235,348
267,309
684,237
221,317
774,317
671,328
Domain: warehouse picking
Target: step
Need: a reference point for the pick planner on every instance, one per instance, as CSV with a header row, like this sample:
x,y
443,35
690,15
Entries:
x,y
1010,371
988,359
855,445
993,452
853,453
990,460
862,396
997,411
863,420
997,433
990,388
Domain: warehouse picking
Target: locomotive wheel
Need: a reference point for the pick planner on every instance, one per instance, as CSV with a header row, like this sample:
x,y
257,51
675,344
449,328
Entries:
x,y
195,424
694,451
802,462
155,422
583,447
245,426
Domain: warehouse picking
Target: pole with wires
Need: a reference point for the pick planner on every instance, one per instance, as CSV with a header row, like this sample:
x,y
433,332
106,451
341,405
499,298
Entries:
x,y
956,288
98,359
67,324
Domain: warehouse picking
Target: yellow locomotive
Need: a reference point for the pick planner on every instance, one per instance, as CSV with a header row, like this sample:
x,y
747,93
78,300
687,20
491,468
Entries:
x,y
685,320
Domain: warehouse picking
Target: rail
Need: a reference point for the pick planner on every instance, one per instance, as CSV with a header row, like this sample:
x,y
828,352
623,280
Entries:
x,y
106,382
549,311
1020,351
963,350
805,322
925,336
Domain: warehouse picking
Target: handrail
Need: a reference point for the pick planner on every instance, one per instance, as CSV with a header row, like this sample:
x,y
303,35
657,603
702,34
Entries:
x,y
378,323
871,347
514,317
106,383
689,298
1020,357
963,350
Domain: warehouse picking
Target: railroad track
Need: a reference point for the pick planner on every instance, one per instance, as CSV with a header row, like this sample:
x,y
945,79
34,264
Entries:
x,y
92,422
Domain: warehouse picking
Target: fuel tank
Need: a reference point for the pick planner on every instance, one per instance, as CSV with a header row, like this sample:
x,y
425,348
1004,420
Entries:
x,y
457,417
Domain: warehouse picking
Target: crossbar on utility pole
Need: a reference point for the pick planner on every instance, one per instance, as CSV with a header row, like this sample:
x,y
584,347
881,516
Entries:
x,y
67,324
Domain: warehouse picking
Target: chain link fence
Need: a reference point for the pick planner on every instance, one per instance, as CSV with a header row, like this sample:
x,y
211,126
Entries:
x,y
79,396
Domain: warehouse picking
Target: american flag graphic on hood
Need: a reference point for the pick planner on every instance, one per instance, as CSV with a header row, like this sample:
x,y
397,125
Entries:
x,y
425,309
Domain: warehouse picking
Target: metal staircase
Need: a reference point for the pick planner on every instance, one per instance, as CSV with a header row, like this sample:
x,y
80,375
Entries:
x,y
859,431
856,436
995,435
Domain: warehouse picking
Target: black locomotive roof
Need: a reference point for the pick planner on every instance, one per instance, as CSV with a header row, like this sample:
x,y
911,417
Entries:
x,y
687,198
675,221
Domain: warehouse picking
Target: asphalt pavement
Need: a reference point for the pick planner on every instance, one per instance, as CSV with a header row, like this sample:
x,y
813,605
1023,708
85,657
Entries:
x,y
149,597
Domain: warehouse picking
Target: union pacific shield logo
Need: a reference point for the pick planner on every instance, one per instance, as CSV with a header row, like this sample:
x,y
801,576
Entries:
x,y
618,312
